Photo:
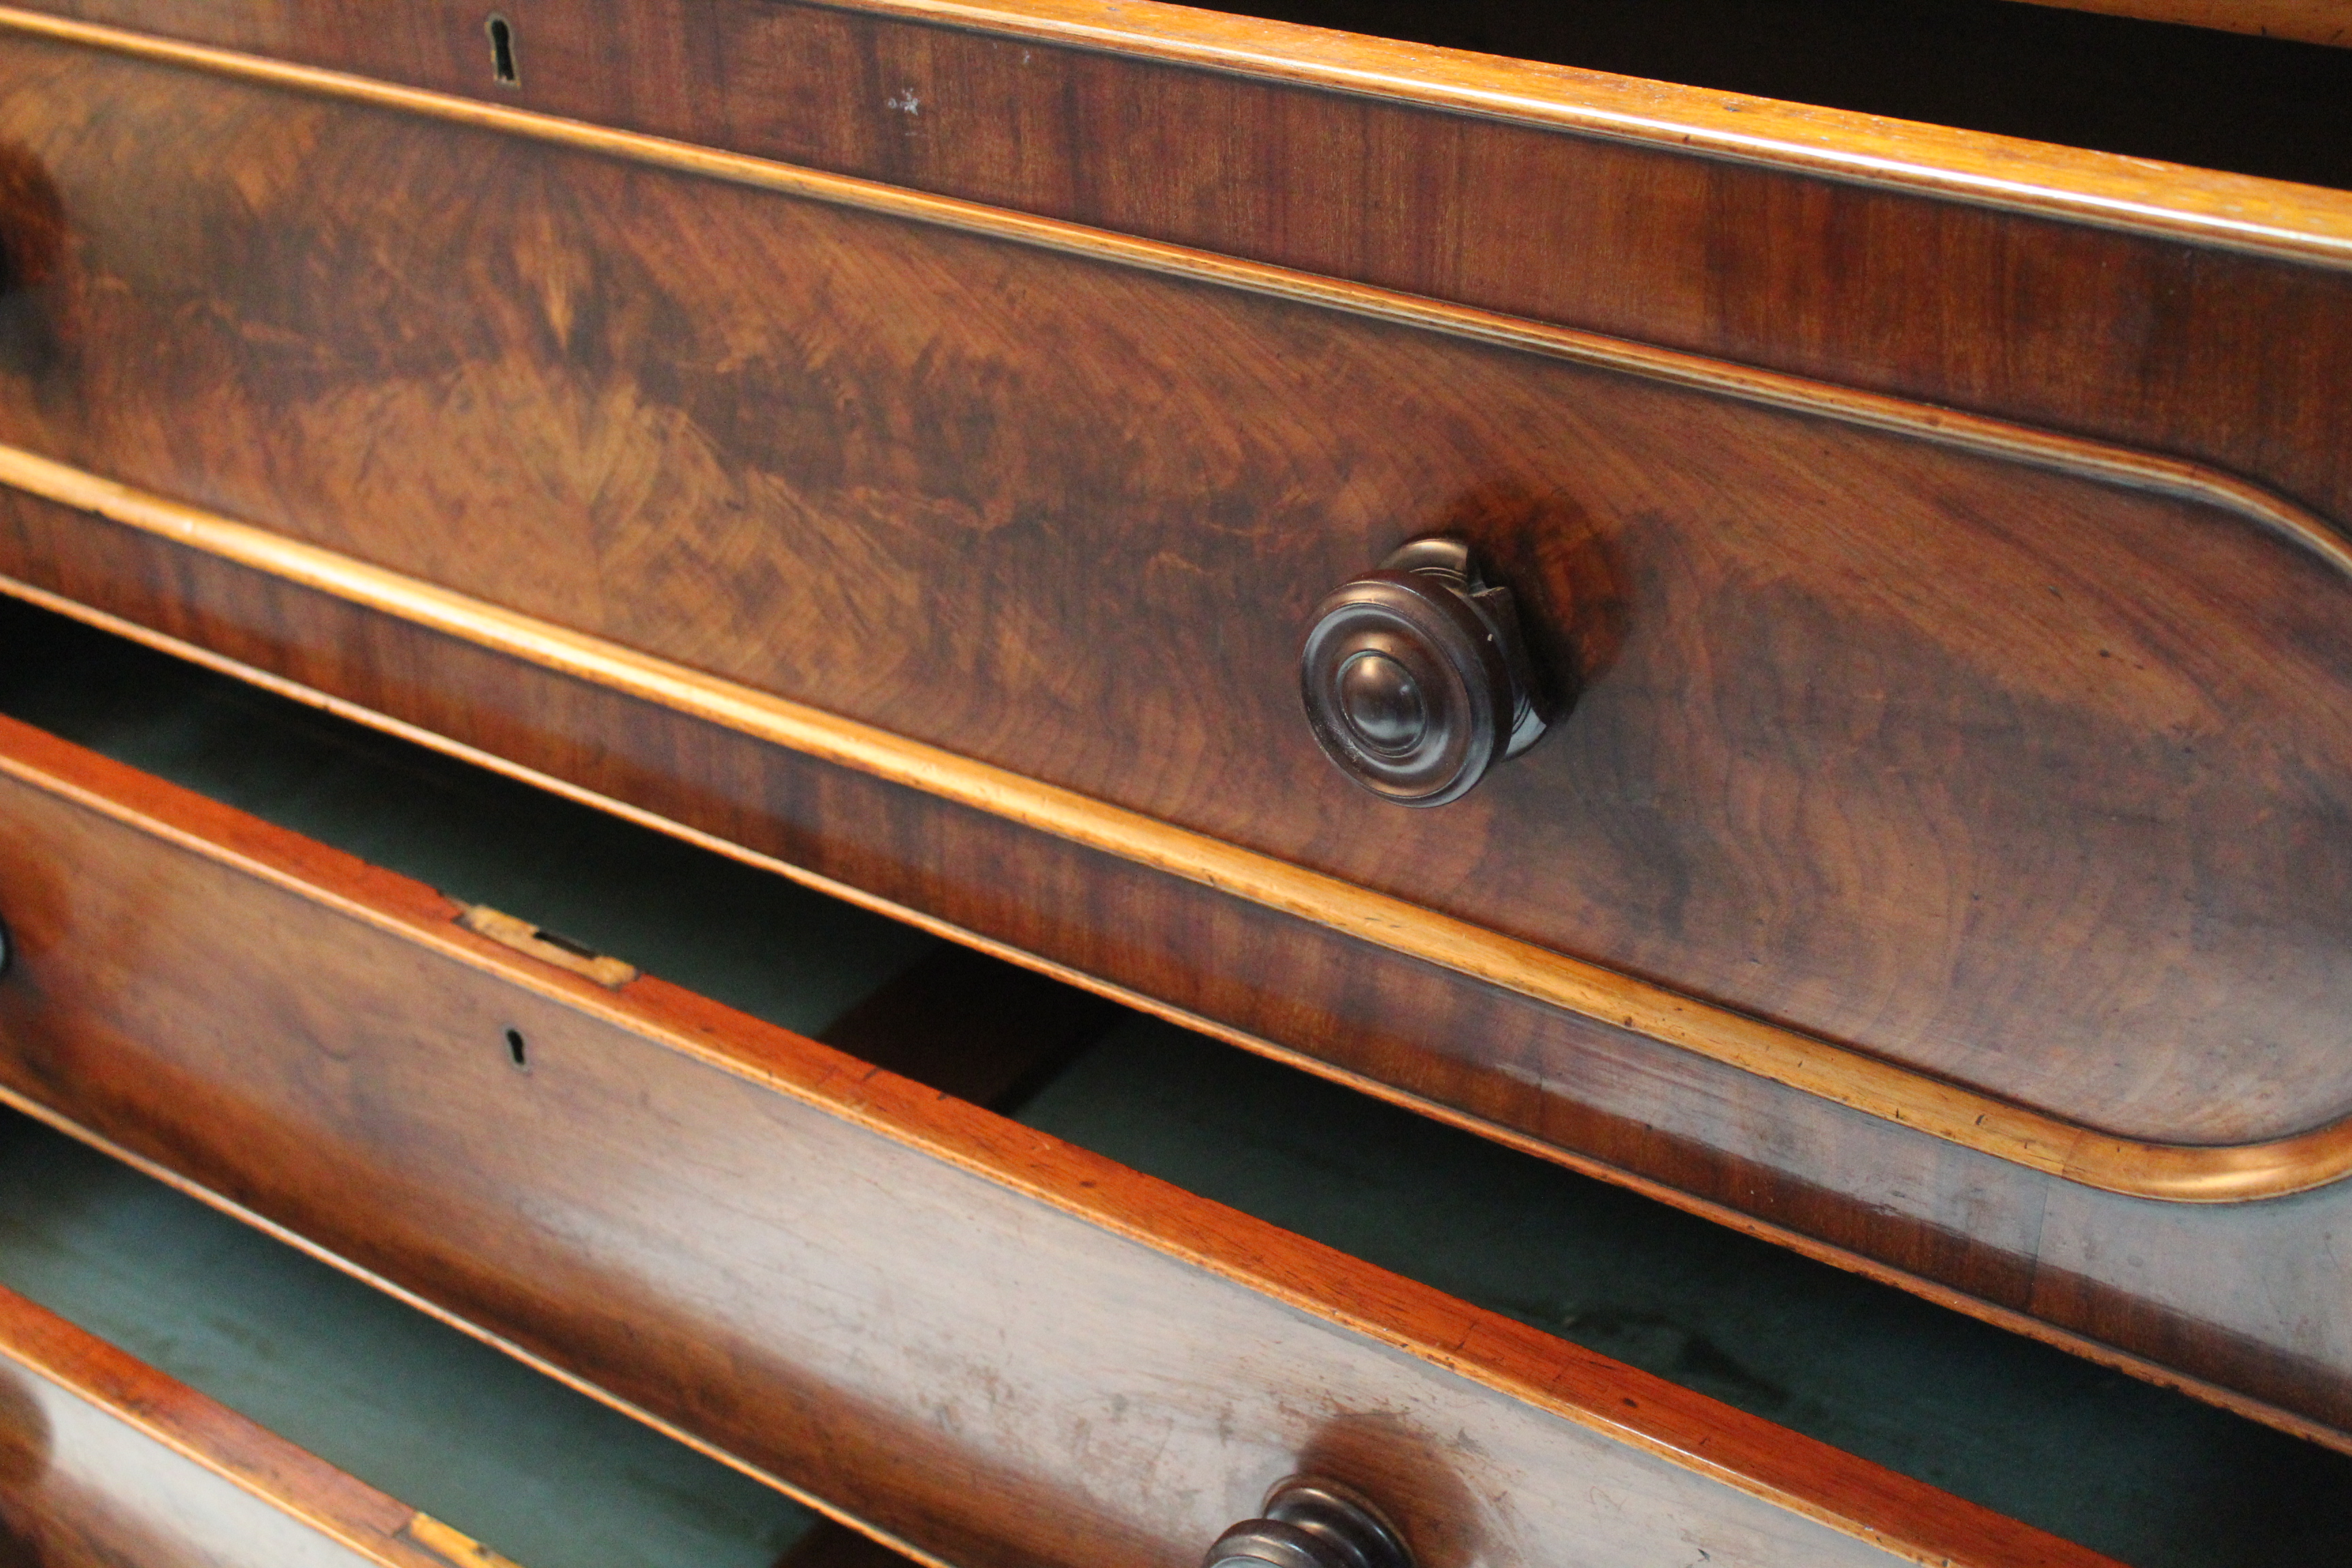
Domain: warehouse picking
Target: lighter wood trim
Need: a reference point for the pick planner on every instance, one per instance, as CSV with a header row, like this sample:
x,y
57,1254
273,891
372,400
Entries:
x,y
2074,184
454,1546
2239,212
612,973
2179,1172
2305,21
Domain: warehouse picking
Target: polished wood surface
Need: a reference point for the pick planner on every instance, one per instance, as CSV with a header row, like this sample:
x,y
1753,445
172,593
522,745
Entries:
x,y
2026,851
2224,1301
2197,1173
104,1462
796,81
2096,324
2044,288
979,1339
2063,77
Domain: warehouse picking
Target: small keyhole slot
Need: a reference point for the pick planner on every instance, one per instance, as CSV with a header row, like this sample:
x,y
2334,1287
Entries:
x,y
502,49
517,1050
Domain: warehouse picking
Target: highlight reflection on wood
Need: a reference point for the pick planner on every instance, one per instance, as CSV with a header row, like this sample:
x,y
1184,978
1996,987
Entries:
x,y
993,1346
2022,285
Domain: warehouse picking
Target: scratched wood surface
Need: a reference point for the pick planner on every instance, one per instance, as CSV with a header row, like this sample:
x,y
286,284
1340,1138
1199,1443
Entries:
x,y
2024,779
995,1346
106,1462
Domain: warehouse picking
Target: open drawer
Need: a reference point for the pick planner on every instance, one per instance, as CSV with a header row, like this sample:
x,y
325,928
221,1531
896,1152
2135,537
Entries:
x,y
979,1341
953,1326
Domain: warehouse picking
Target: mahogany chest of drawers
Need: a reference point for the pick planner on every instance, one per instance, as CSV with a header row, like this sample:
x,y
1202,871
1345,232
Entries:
x,y
1826,698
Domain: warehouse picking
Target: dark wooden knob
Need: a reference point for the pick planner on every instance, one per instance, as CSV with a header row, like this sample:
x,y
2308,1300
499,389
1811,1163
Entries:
x,y
1311,1523
1415,678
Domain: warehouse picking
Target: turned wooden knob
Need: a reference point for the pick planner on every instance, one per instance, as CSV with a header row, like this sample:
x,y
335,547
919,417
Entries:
x,y
1415,678
1311,1523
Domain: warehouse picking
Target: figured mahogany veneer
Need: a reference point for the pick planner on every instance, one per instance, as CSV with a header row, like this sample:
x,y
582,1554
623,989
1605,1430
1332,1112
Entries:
x,y
2287,1164
2035,282
2015,775
105,1461
993,1346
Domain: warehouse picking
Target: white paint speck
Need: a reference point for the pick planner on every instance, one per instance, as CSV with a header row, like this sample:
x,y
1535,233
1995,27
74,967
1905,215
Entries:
x,y
906,100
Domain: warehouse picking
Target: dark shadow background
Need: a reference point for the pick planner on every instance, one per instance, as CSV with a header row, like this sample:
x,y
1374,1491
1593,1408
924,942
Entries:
x,y
2188,95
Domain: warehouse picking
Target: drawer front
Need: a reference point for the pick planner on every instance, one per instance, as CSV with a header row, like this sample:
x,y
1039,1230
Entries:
x,y
1994,755
993,1346
1933,717
2028,280
104,1461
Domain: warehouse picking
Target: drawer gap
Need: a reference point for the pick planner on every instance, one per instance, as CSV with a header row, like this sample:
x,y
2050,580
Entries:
x,y
2270,106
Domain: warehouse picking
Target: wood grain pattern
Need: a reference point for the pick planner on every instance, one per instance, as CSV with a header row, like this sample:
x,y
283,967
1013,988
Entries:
x,y
2121,334
37,230
2234,1304
105,1461
1802,240
2158,93
2176,1171
983,1341
1794,697
695,67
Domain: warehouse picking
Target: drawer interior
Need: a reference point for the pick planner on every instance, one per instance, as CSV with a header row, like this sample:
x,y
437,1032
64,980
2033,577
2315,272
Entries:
x,y
2150,90
2144,1474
